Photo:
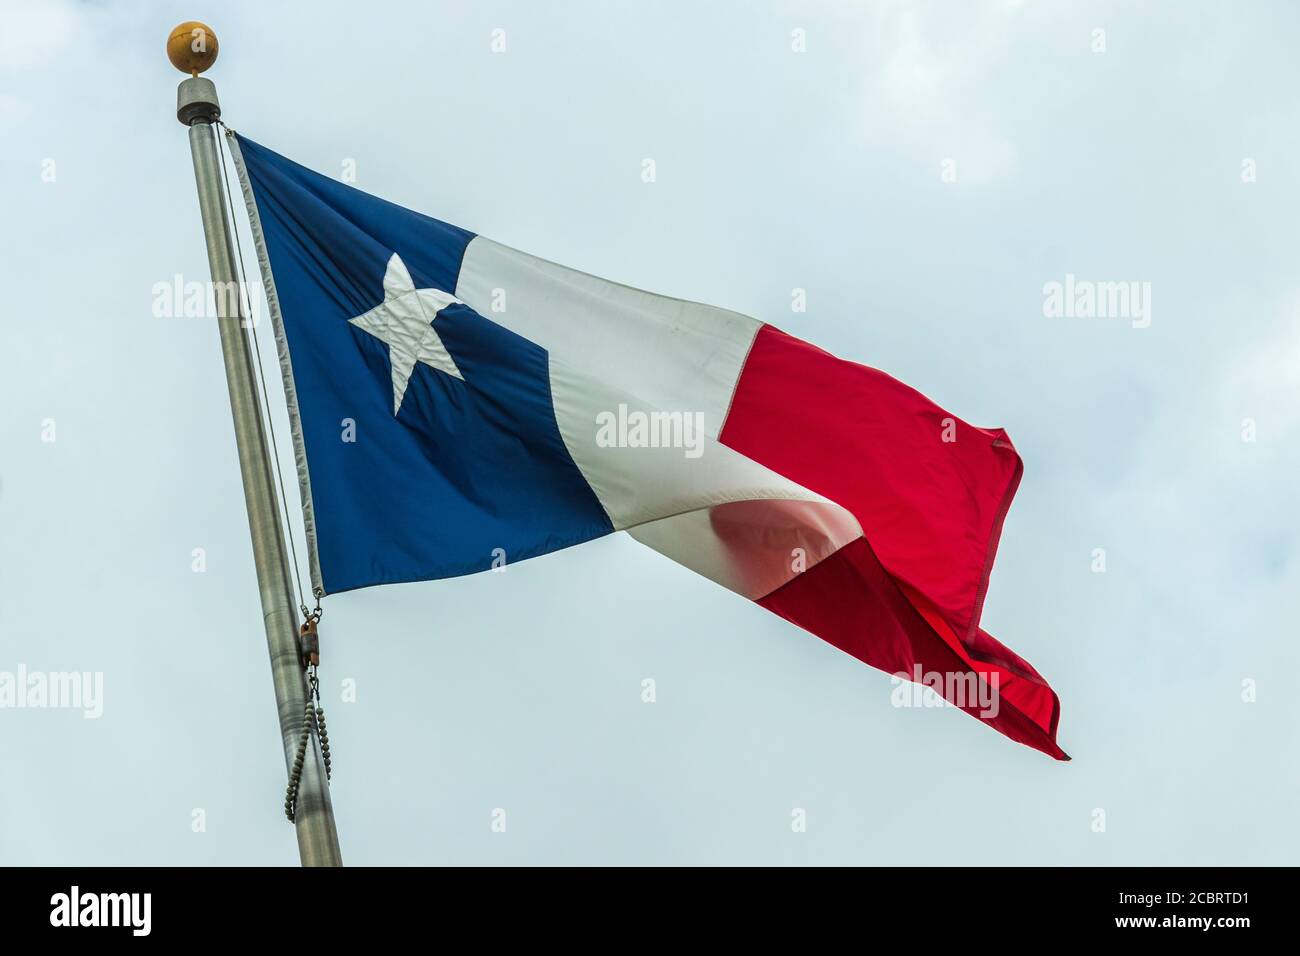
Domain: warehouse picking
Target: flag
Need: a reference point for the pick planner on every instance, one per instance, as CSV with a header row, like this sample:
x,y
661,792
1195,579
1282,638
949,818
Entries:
x,y
456,404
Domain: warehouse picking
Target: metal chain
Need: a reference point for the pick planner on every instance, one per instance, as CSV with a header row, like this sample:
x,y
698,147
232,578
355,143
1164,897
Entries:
x,y
295,775
324,737
313,717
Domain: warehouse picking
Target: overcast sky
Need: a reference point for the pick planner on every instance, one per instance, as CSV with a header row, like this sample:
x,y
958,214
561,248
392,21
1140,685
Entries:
x,y
922,170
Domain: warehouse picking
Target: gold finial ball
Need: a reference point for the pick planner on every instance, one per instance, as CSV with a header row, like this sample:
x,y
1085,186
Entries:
x,y
192,47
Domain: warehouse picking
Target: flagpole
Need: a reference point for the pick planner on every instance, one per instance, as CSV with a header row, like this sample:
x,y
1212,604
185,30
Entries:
x,y
192,48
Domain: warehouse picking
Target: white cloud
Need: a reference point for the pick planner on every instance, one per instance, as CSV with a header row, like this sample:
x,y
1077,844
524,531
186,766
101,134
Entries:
x,y
35,33
931,63
13,110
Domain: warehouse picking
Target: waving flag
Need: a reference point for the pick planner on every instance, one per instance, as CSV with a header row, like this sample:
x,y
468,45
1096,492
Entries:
x,y
455,403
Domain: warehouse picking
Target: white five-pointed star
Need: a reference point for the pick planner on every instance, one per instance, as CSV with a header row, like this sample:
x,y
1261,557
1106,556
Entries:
x,y
405,321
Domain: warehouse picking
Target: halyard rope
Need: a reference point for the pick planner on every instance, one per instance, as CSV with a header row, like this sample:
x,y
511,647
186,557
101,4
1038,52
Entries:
x,y
313,715
264,395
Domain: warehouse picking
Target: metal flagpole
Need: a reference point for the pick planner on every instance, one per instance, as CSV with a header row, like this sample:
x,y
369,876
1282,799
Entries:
x,y
192,48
